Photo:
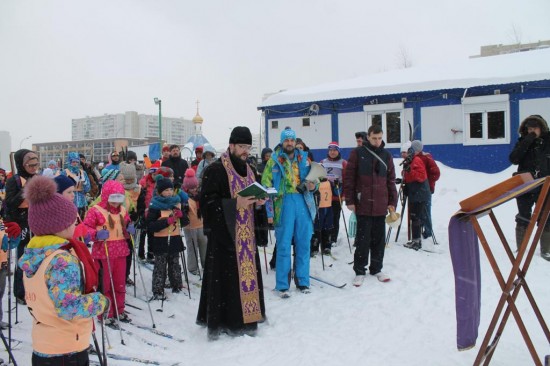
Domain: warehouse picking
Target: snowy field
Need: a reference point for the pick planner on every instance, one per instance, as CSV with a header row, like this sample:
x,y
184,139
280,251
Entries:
x,y
407,321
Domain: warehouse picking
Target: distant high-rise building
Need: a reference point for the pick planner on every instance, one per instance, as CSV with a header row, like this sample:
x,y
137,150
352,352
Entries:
x,y
5,149
132,125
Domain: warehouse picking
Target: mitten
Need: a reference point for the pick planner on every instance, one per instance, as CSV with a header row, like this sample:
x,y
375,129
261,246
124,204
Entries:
x,y
178,213
102,234
171,220
131,229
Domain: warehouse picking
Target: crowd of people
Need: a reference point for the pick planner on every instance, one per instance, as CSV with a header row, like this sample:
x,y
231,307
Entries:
x,y
170,214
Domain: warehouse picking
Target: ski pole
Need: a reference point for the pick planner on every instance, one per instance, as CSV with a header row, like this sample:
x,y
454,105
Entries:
x,y
96,344
113,290
145,291
265,260
431,227
318,221
345,225
195,251
185,273
403,205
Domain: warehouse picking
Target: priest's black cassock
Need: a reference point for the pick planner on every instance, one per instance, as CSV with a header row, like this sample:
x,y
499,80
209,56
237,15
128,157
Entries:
x,y
232,298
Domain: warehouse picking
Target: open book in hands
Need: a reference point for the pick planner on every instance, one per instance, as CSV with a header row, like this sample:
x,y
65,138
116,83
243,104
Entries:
x,y
257,191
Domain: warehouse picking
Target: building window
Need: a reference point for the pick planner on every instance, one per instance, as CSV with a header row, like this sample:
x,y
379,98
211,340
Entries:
x,y
389,118
305,122
486,120
274,125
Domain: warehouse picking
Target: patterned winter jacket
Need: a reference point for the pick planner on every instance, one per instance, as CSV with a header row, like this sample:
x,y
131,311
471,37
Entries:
x,y
63,278
277,174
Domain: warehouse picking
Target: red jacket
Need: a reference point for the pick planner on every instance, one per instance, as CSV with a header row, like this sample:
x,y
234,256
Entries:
x,y
431,169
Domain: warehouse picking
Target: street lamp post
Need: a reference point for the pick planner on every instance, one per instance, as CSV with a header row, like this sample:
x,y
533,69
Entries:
x,y
159,103
23,139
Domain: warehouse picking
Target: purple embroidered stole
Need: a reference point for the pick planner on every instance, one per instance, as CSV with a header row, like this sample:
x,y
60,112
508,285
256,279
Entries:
x,y
245,245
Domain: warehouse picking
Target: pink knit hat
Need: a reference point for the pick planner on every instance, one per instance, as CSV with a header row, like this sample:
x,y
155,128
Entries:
x,y
190,180
49,212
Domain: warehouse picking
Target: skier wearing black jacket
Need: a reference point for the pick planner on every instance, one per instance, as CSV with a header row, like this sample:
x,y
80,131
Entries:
x,y
532,155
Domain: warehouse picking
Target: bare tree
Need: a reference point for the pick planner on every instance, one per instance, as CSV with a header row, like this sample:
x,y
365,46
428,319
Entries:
x,y
403,59
515,35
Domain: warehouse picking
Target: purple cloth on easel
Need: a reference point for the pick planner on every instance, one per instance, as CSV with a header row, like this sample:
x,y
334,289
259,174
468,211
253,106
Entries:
x,y
464,249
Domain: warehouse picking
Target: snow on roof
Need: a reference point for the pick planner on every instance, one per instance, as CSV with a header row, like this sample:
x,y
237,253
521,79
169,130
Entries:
x,y
502,69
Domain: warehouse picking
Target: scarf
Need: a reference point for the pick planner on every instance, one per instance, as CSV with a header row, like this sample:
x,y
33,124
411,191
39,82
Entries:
x,y
164,203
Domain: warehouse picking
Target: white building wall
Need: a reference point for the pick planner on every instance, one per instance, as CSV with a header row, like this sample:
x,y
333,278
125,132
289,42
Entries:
x,y
348,125
528,107
5,149
437,123
316,136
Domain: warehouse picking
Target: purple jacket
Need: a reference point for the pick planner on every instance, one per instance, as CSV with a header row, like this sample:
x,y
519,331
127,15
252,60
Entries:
x,y
369,185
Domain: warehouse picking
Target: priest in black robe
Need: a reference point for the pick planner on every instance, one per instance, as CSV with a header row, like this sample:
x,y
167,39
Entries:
x,y
232,299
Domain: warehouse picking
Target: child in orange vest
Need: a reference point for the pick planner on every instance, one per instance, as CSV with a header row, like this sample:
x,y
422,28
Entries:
x,y
107,226
163,220
60,297
194,236
323,220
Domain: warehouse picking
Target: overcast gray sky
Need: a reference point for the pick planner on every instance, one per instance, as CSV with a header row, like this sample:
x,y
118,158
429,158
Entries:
x,y
64,59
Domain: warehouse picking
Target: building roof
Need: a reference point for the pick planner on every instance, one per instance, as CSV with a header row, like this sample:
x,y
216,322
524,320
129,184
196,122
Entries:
x,y
482,71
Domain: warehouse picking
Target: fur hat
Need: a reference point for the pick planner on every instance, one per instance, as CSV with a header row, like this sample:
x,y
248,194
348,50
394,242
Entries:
x,y
49,212
417,146
63,182
533,120
190,180
406,146
163,184
287,133
240,135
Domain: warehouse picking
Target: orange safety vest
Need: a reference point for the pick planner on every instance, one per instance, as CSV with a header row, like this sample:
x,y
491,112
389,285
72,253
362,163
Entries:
x,y
194,221
171,230
116,232
25,203
76,178
3,253
51,334
325,194
131,198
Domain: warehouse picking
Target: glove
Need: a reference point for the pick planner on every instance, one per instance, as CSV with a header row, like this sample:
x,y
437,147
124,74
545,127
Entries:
x,y
12,229
171,220
131,229
178,213
102,234
398,180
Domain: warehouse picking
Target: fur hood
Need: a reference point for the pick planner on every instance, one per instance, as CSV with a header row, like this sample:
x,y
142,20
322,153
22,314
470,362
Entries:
x,y
538,120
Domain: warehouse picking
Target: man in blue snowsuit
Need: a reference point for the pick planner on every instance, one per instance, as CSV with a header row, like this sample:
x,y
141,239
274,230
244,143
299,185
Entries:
x,y
293,210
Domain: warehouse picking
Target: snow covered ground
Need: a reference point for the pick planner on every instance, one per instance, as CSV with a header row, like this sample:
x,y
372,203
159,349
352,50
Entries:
x,y
408,321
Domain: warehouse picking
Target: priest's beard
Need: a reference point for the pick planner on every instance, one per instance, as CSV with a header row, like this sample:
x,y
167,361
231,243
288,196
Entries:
x,y
238,163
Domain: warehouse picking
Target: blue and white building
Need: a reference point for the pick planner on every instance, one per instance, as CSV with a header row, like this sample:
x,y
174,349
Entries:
x,y
467,114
